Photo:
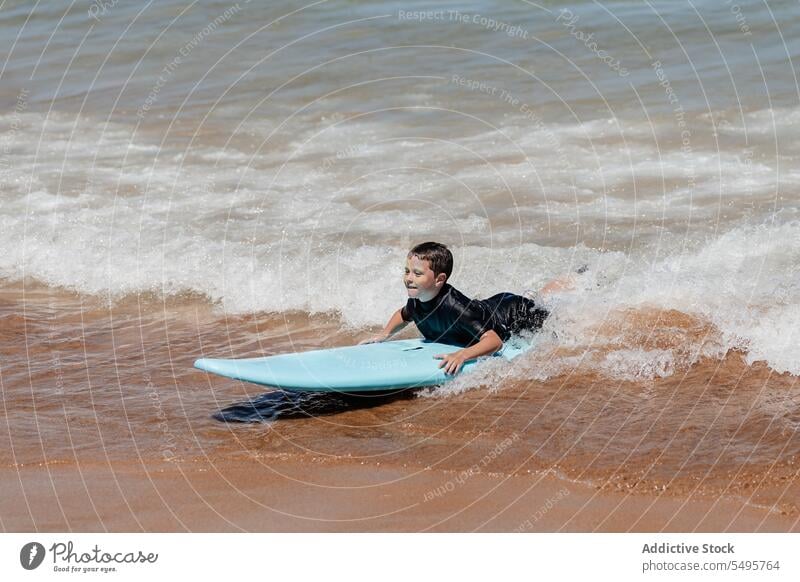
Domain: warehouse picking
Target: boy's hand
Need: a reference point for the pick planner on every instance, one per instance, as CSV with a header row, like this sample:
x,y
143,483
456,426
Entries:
x,y
374,339
452,363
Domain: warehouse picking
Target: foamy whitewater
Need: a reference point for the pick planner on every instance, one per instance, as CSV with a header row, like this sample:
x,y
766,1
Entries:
x,y
274,162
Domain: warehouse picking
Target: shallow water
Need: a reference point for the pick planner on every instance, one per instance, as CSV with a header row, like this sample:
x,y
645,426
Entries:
x,y
117,384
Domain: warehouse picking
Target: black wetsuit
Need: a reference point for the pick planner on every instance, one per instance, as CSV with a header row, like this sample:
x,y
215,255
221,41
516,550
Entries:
x,y
453,318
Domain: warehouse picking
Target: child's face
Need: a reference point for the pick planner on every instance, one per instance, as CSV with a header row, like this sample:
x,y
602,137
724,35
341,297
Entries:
x,y
420,280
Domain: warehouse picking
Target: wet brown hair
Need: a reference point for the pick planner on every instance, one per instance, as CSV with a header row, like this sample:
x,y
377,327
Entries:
x,y
437,254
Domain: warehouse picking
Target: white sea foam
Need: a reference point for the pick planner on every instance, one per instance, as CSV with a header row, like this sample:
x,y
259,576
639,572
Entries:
x,y
325,224
745,282
635,365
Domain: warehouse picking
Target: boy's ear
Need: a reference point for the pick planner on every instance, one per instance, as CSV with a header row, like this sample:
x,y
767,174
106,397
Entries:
x,y
441,278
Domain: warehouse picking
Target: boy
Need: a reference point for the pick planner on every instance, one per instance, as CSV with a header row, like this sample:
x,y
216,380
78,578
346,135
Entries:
x,y
444,314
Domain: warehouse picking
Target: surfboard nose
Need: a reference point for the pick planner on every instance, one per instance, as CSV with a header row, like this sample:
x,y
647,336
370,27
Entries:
x,y
206,364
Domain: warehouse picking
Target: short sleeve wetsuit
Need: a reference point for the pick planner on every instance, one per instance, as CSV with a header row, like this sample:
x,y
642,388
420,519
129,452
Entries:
x,y
453,318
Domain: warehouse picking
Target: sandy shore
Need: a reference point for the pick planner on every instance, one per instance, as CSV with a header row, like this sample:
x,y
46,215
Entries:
x,y
247,495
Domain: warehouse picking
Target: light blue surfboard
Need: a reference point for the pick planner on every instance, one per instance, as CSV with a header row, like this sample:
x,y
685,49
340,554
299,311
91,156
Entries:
x,y
365,368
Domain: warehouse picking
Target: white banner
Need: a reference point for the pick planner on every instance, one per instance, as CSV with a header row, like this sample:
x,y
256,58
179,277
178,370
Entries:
x,y
400,557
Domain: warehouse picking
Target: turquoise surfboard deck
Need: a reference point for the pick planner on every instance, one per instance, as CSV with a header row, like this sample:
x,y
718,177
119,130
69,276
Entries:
x,y
365,368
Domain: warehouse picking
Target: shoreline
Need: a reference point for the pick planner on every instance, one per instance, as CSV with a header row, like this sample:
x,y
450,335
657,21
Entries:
x,y
293,496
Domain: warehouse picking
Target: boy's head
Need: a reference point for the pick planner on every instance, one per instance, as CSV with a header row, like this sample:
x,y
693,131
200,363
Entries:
x,y
428,266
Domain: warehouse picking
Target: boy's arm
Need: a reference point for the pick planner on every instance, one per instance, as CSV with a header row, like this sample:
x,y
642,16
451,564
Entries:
x,y
489,343
396,323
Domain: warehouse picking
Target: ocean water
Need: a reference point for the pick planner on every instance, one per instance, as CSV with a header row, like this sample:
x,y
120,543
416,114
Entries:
x,y
234,179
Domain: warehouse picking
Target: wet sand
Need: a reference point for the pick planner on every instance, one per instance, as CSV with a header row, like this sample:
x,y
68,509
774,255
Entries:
x,y
290,496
